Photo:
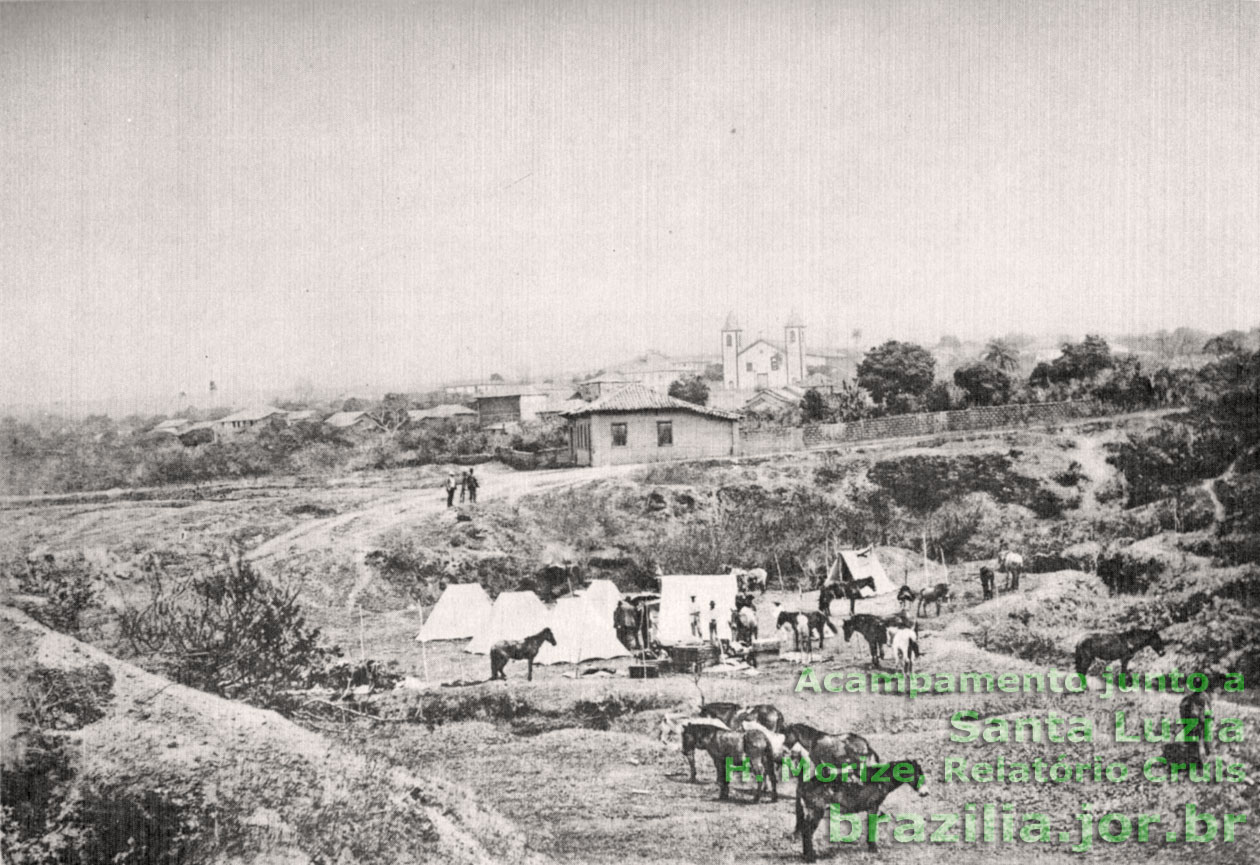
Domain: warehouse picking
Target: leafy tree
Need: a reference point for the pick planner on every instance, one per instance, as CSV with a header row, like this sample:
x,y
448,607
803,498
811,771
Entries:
x,y
813,407
984,383
950,342
849,403
896,369
1002,354
1230,342
355,404
391,415
1082,361
713,372
1128,386
690,388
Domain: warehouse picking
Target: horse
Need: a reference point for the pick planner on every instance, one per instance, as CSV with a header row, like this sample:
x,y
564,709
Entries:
x,y
816,796
627,622
905,595
1197,705
851,589
905,645
832,748
744,624
734,714
789,617
1011,564
986,582
751,579
732,750
518,650
744,599
871,627
935,595
817,622
1113,645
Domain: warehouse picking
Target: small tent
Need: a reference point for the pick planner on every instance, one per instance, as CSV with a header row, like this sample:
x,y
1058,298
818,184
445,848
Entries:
x,y
457,613
603,593
860,564
515,615
674,620
583,628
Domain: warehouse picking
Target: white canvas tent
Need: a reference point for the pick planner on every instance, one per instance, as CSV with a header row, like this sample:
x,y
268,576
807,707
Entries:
x,y
860,564
603,593
457,614
515,615
584,631
674,620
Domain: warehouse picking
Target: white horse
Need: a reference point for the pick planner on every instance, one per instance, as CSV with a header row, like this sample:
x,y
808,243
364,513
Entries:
x,y
1011,564
905,644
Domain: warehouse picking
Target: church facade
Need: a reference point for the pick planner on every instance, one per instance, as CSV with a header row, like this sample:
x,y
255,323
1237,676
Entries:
x,y
763,363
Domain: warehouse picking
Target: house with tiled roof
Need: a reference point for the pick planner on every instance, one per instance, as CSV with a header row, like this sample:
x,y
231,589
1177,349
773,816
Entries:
x,y
636,424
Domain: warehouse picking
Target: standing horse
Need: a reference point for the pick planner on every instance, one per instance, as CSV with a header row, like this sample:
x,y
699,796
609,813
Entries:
x,y
935,595
870,627
816,622
851,589
1011,564
789,618
744,624
835,749
518,650
1113,646
905,596
731,750
905,646
1198,705
815,796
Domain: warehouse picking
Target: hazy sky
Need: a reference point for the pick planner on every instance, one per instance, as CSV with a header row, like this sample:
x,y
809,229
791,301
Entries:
x,y
394,194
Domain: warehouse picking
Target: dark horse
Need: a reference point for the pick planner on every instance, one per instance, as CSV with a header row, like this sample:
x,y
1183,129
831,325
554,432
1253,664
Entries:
x,y
518,650
935,595
626,621
815,796
733,715
871,627
832,748
905,595
851,589
733,748
1114,646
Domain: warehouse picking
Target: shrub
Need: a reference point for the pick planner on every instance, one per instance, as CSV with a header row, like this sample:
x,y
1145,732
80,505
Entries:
x,y
69,587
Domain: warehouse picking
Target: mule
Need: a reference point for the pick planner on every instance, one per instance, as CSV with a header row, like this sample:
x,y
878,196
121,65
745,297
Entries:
x,y
1116,646
817,622
835,749
815,796
870,627
1197,705
851,589
935,595
518,650
905,595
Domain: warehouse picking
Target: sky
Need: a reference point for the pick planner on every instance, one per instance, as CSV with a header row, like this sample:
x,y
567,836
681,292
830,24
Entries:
x,y
386,196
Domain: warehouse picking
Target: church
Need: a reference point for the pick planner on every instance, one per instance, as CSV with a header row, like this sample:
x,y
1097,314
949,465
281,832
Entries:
x,y
763,363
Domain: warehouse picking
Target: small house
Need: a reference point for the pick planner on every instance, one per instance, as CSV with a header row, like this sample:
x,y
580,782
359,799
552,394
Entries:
x,y
250,418
452,412
352,421
635,424
522,406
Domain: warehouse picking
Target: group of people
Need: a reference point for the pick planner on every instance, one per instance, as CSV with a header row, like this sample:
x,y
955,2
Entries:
x,y
467,486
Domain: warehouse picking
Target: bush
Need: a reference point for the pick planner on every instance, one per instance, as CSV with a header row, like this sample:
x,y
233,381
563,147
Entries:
x,y
69,587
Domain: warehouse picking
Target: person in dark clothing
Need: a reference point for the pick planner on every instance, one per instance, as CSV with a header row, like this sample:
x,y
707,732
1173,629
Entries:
x,y
463,487
473,483
450,489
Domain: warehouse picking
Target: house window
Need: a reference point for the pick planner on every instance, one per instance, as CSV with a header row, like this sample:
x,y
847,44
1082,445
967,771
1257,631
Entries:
x,y
619,435
664,433
730,340
774,363
748,366
791,336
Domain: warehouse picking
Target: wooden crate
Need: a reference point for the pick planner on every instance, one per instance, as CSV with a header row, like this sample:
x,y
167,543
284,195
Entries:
x,y
649,670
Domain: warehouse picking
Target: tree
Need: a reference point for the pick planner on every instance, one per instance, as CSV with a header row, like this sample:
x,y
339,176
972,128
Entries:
x,y
713,372
984,383
392,415
950,342
690,388
1128,386
494,376
1001,354
896,369
1230,342
813,408
1082,361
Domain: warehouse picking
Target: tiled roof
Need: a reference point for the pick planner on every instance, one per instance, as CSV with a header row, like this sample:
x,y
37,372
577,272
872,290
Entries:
x,y
636,397
251,414
447,410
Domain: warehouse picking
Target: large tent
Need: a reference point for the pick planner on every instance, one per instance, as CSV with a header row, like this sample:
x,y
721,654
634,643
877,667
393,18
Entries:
x,y
583,629
456,614
515,615
603,593
860,564
674,621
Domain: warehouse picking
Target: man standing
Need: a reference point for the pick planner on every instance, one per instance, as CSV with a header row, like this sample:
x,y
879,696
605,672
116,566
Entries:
x,y
472,486
450,489
713,619
694,610
463,486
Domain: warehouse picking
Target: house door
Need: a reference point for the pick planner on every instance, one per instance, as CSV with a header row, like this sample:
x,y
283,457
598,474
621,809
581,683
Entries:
x,y
763,381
